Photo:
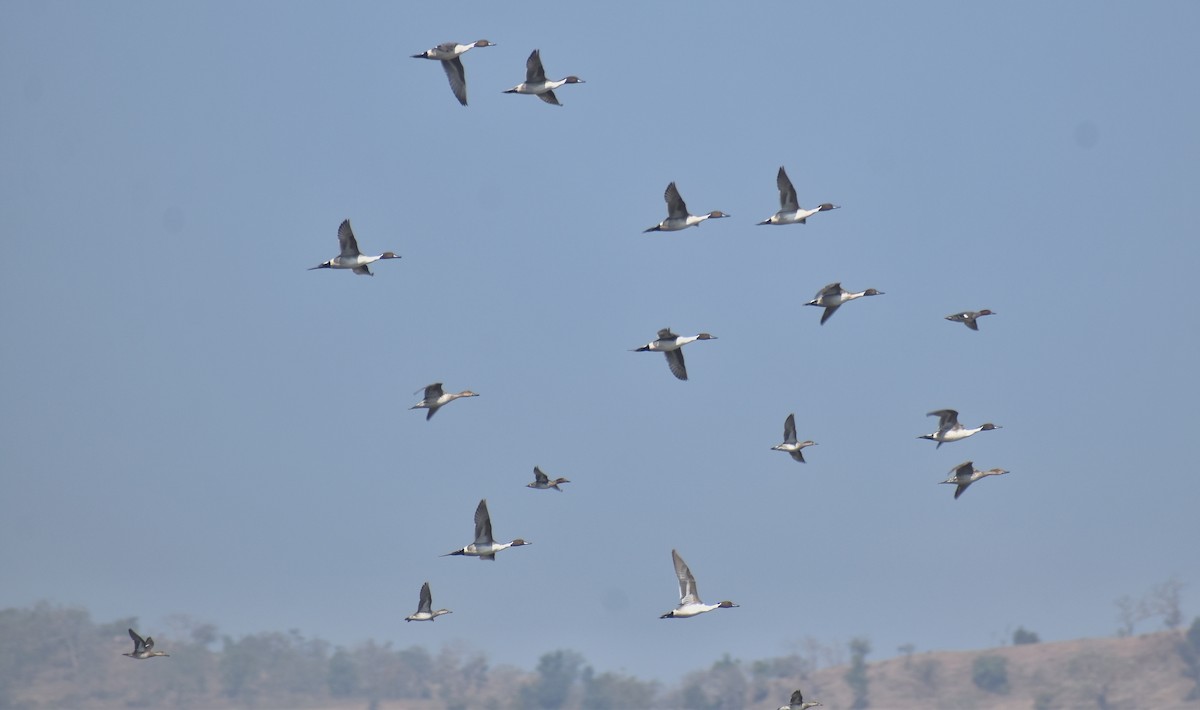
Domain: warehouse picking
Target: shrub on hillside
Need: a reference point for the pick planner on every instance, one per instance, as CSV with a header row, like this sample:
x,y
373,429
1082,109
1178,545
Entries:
x,y
990,673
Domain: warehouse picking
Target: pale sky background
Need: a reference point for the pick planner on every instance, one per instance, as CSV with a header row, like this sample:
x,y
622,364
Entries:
x,y
191,422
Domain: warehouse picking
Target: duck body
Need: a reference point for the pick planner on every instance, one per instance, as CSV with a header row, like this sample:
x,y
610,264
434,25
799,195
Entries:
x,y
790,211
689,599
677,214
449,54
965,474
790,443
537,84
350,257
485,547
968,318
435,398
425,610
671,345
143,648
949,429
833,296
542,481
798,703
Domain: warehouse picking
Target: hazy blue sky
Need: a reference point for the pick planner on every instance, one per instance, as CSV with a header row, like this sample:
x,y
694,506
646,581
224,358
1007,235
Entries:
x,y
192,422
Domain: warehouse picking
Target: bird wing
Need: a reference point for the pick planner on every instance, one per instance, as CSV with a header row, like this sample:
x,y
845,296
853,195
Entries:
x,y
787,193
676,208
534,73
797,698
362,270
829,311
798,455
541,477
432,391
970,322
675,362
666,334
347,242
961,487
687,582
149,643
832,289
789,429
947,418
483,524
138,643
458,78
549,97
963,470
426,603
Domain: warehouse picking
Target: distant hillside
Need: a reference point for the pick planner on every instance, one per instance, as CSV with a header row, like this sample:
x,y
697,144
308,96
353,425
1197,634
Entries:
x,y
52,658
1136,672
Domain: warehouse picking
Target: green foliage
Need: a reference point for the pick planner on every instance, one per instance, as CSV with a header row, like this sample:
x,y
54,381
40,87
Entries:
x,y
1022,637
556,672
990,673
722,687
343,676
612,691
856,677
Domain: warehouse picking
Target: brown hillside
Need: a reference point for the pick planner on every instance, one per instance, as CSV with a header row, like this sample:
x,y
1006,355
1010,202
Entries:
x,y
1136,672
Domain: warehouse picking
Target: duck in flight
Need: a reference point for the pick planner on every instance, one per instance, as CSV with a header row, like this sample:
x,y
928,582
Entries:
x,y
677,214
351,257
968,318
671,345
450,55
790,444
542,481
790,211
833,296
689,599
435,398
143,648
485,547
950,430
965,474
425,610
797,702
536,82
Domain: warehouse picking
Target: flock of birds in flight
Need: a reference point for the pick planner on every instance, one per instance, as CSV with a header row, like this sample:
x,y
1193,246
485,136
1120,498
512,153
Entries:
x,y
670,344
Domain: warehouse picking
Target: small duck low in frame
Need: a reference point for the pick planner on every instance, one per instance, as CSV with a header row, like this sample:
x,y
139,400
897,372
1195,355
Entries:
x,y
143,648
798,703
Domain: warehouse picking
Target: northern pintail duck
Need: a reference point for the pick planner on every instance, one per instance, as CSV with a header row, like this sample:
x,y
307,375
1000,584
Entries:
x,y
484,547
677,214
143,648
543,481
670,344
967,318
351,257
790,211
790,445
450,53
435,398
689,599
950,430
833,296
425,610
965,474
797,702
536,82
